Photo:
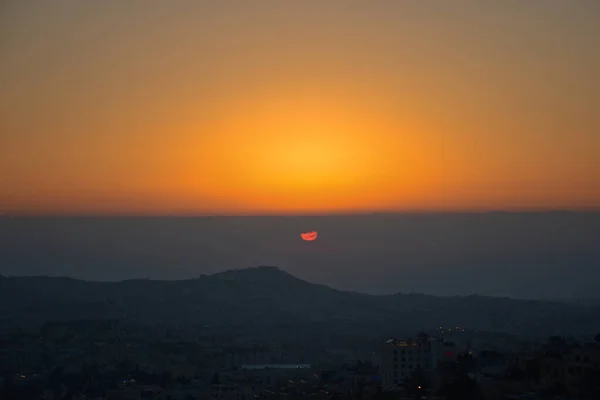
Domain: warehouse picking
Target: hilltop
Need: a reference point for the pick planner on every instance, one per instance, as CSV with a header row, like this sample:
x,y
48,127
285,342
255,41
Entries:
x,y
263,296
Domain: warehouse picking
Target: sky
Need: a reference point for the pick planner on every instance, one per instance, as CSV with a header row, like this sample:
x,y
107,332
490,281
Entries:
x,y
519,255
240,107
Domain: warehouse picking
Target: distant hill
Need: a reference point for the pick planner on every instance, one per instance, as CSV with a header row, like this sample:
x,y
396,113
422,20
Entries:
x,y
591,302
264,296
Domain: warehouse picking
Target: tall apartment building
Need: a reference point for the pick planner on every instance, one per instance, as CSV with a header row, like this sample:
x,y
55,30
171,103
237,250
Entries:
x,y
401,357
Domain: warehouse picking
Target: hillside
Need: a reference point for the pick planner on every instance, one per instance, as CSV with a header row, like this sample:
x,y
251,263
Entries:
x,y
265,296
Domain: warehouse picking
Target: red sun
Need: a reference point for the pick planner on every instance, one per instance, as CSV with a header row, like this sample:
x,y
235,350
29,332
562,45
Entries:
x,y
309,236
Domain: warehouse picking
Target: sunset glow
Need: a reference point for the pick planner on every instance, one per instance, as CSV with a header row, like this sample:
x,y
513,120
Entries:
x,y
210,112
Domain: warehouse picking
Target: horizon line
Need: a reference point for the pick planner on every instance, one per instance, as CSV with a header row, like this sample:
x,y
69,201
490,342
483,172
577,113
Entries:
x,y
303,214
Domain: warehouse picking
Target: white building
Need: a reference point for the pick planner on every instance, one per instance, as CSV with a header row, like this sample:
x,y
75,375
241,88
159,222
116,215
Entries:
x,y
401,357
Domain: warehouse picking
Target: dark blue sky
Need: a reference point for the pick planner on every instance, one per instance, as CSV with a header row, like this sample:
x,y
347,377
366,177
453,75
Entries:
x,y
538,255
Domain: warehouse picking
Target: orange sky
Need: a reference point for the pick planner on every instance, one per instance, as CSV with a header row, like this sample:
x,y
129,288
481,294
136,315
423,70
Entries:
x,y
298,107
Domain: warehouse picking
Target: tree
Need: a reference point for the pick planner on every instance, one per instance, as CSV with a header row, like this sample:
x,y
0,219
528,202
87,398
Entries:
x,y
597,338
385,395
557,342
515,373
417,384
8,387
532,370
462,387
165,379
465,363
555,391
591,383
55,381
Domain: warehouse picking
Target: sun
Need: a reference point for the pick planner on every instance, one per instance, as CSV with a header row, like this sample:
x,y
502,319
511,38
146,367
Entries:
x,y
309,236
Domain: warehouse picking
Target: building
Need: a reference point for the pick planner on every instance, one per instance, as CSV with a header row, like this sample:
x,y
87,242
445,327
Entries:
x,y
576,369
400,358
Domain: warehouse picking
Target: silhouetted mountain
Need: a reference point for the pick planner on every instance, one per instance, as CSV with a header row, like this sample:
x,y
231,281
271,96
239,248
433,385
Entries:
x,y
265,296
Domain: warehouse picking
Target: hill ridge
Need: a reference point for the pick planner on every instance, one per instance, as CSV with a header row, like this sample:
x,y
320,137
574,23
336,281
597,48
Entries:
x,y
273,273
270,296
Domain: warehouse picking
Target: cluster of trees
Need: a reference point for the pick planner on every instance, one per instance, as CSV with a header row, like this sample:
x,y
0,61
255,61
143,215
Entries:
x,y
88,381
